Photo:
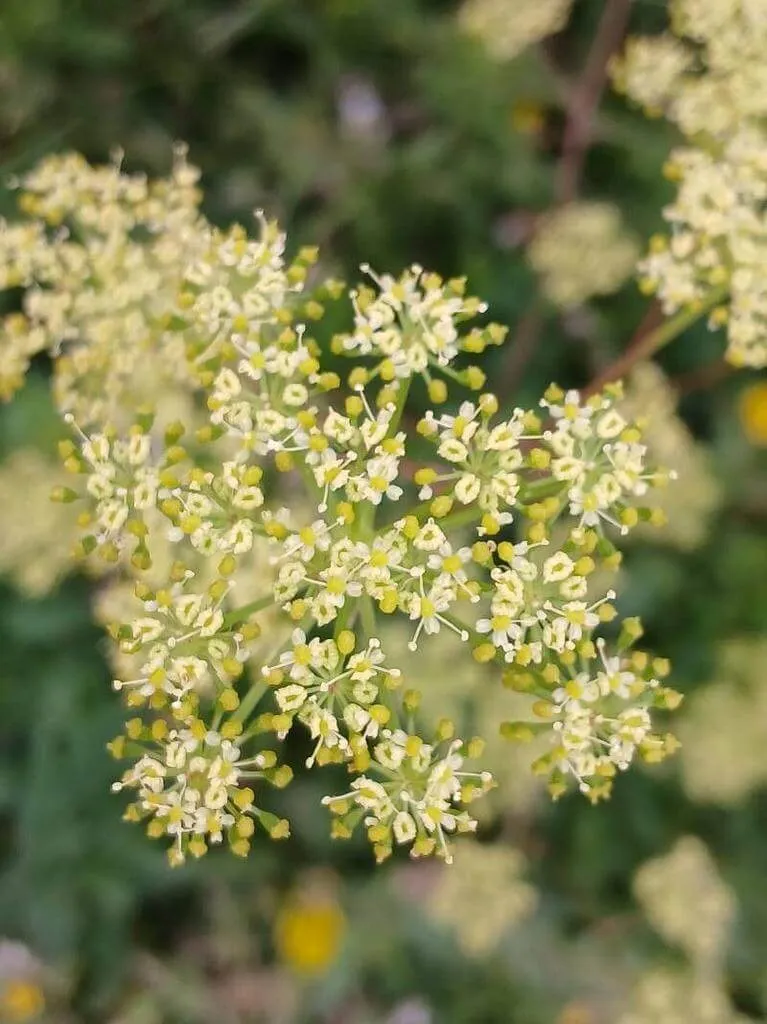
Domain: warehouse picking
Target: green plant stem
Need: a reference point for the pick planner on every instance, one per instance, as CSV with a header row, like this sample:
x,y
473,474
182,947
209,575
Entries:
x,y
239,614
250,700
462,517
647,345
399,408
368,616
538,489
346,615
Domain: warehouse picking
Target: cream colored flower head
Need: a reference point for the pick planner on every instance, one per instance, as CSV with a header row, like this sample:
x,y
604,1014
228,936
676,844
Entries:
x,y
37,538
650,70
236,556
708,75
582,250
691,500
666,996
724,728
507,27
483,895
686,901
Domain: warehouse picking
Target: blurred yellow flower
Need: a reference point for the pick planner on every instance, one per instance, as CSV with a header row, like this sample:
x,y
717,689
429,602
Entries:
x,y
577,1013
528,117
753,412
308,932
21,1000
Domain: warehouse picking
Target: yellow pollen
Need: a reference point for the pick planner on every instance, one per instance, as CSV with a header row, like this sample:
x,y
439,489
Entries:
x,y
336,585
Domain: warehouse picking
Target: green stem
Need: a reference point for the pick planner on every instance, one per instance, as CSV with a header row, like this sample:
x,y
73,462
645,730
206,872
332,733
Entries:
x,y
365,522
647,345
308,477
347,613
250,700
399,406
368,616
677,324
454,375
240,614
463,517
540,489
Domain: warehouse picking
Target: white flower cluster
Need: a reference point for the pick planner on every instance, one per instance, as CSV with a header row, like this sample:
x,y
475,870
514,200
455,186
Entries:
x,y
581,250
708,74
323,684
724,729
665,996
483,895
122,483
689,905
599,718
411,324
690,505
36,540
223,651
507,27
686,902
190,785
409,795
454,685
711,82
100,263
182,646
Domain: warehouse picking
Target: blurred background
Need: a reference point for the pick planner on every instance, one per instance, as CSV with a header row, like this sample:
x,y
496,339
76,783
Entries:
x,y
461,138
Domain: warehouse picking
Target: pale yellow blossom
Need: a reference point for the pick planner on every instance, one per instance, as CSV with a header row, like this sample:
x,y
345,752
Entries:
x,y
507,27
582,250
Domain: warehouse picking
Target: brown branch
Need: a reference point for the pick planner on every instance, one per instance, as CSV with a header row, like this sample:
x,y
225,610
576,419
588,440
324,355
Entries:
x,y
577,137
586,96
521,349
634,352
654,333
702,378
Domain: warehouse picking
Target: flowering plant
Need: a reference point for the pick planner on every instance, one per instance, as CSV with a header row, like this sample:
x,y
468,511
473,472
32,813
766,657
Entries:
x,y
706,75
300,504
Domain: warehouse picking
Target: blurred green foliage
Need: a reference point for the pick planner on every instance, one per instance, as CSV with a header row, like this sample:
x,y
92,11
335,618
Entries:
x,y
380,132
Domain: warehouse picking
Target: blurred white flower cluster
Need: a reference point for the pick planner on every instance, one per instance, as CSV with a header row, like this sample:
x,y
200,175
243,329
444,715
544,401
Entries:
x,y
708,74
687,903
666,996
507,27
696,495
724,728
483,896
36,537
710,78
691,908
582,250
